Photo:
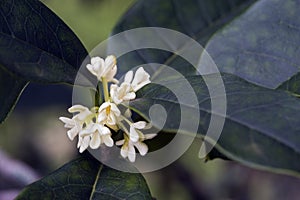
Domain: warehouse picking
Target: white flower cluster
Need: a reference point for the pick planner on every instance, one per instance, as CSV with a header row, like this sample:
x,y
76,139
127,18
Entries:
x,y
93,126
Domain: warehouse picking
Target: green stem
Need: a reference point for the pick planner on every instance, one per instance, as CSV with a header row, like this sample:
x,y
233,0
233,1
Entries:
x,y
98,98
105,89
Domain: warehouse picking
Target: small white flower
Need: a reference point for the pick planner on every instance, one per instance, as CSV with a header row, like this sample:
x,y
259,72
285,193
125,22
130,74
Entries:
x,y
83,142
141,78
72,124
122,93
99,134
103,68
82,112
108,114
76,122
128,148
134,133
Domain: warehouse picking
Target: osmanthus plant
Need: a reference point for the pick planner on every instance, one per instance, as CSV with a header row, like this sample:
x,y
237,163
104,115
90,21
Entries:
x,y
255,45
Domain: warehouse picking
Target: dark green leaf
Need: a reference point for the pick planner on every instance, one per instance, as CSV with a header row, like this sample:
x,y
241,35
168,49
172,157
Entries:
x,y
86,178
262,126
36,45
10,89
262,45
198,19
292,85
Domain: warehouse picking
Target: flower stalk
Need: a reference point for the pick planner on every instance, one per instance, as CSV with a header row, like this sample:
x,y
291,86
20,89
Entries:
x,y
105,89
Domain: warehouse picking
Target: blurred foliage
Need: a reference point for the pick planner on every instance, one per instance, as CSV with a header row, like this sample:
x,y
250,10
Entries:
x,y
91,20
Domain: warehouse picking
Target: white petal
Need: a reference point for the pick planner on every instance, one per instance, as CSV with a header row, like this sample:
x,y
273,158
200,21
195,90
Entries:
x,y
116,81
110,68
131,152
140,124
142,147
148,126
96,67
84,112
141,79
129,96
140,85
94,60
69,125
149,136
104,131
128,77
134,136
111,120
116,100
101,117
104,106
110,61
124,151
107,140
113,89
84,144
101,70
114,94
95,141
77,108
72,133
79,142
120,142
115,109
66,120
111,73
88,130
91,69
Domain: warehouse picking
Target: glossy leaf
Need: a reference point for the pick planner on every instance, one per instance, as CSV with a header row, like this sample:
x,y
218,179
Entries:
x,y
262,126
36,46
86,178
262,45
198,19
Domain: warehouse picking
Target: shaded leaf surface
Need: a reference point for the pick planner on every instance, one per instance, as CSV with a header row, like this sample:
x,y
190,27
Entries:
x,y
262,126
10,89
86,178
36,44
292,85
198,19
262,45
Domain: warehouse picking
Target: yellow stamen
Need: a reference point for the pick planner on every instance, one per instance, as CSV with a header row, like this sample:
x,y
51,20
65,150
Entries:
x,y
108,110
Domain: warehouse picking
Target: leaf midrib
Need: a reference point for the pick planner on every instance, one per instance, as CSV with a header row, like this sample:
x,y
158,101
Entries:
x,y
96,181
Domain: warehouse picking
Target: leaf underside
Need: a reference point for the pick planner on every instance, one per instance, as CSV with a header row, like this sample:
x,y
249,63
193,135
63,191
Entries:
x,y
199,19
262,45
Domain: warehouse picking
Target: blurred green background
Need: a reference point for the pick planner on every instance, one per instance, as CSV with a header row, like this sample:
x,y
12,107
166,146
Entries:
x,y
34,134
